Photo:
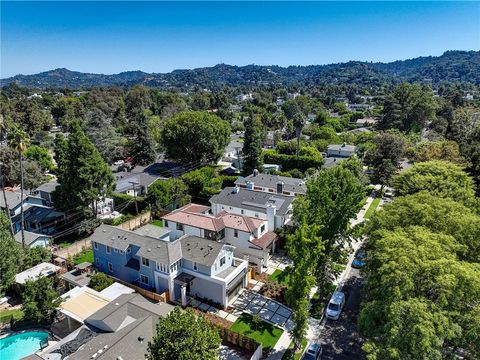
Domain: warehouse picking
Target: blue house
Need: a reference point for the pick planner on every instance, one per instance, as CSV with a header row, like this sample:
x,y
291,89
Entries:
x,y
186,267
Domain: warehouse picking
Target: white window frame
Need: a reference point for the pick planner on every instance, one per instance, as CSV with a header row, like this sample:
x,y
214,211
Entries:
x,y
142,277
195,267
145,262
95,245
108,249
224,261
110,267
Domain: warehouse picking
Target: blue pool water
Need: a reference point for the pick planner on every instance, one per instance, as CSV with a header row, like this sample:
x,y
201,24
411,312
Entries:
x,y
15,347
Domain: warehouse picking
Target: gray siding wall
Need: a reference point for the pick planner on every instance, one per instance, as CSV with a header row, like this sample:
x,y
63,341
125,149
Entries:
x,y
207,289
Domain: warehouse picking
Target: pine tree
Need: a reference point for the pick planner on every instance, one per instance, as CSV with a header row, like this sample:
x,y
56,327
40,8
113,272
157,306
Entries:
x,y
84,176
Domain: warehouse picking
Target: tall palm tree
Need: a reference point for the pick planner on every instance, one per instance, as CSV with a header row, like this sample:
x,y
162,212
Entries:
x,y
18,140
298,123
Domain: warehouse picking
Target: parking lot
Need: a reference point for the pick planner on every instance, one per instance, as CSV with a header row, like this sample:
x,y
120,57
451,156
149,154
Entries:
x,y
268,309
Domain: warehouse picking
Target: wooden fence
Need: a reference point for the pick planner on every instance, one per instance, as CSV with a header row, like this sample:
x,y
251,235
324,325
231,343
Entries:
x,y
164,297
137,221
238,339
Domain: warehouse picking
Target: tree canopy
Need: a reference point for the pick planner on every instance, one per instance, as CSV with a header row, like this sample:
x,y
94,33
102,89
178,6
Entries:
x,y
441,178
83,175
183,335
168,194
9,255
195,137
252,146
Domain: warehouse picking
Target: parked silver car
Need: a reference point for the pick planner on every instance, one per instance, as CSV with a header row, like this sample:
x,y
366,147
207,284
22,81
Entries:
x,y
335,305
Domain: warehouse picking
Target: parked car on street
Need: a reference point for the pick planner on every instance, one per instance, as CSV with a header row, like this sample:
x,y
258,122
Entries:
x,y
314,352
335,305
359,260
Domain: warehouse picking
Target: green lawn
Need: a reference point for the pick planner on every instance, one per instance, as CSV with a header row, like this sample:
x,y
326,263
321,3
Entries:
x,y
86,256
372,208
157,222
5,315
264,333
280,276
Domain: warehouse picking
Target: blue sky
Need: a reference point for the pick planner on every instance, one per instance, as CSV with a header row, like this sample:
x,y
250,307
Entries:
x,y
110,37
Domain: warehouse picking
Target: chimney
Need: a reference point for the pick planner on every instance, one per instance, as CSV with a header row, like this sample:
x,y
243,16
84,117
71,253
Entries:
x,y
255,172
280,185
236,189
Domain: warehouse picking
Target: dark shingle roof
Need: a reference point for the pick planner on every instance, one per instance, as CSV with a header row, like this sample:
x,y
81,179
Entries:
x,y
48,187
270,181
30,237
199,250
149,247
253,200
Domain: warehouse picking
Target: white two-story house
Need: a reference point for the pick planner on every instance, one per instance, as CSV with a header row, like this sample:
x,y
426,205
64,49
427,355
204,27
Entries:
x,y
249,235
276,209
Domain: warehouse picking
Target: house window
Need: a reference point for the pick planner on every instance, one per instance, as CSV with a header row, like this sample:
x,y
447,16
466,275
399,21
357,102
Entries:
x,y
109,250
242,211
129,250
95,245
121,252
262,229
145,262
110,267
235,233
256,214
166,223
144,279
195,266
115,250
180,227
222,261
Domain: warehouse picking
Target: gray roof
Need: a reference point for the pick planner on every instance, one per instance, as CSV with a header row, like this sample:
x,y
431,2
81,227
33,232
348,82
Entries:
x,y
30,237
270,181
253,200
13,199
199,250
124,179
133,319
152,230
149,247
342,147
48,187
332,161
127,305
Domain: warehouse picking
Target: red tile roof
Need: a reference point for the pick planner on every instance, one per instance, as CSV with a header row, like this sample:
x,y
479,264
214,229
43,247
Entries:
x,y
196,218
265,240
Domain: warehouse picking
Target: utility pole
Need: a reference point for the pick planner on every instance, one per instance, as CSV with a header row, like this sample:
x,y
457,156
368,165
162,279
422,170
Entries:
x,y
134,194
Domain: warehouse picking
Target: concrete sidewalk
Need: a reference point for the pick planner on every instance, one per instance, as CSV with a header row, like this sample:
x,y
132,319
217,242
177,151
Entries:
x,y
280,347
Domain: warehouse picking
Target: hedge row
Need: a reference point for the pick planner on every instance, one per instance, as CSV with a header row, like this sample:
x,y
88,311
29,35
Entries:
x,y
290,162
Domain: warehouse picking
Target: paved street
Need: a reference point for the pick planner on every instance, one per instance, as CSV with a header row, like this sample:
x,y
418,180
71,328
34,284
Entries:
x,y
340,339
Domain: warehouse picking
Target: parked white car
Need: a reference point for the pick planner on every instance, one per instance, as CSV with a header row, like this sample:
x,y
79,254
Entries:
x,y
119,162
335,305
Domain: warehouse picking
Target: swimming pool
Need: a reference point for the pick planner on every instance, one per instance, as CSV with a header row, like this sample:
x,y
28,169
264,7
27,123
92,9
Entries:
x,y
15,347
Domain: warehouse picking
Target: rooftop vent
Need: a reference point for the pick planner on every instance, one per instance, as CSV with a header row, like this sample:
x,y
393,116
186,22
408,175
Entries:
x,y
149,250
104,230
141,338
117,304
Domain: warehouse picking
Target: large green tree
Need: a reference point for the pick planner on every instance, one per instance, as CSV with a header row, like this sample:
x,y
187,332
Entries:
x,y
252,146
385,156
304,247
333,197
83,175
41,156
441,178
420,301
168,194
408,108
183,335
9,255
195,137
40,300
440,215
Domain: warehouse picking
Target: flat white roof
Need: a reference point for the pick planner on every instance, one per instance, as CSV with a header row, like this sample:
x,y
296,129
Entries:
x,y
115,290
43,269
